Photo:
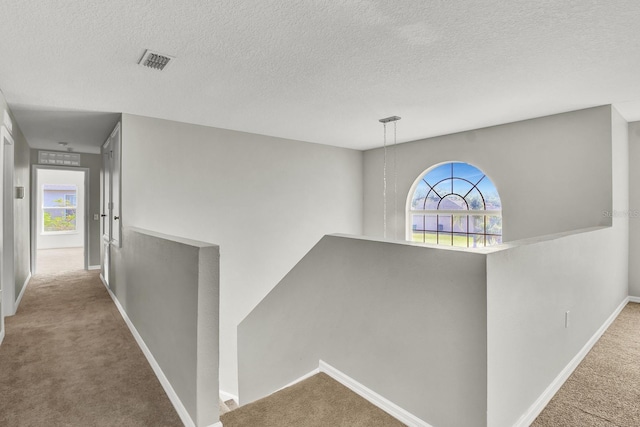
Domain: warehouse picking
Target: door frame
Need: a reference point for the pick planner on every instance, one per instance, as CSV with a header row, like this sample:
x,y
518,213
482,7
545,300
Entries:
x,y
35,207
7,284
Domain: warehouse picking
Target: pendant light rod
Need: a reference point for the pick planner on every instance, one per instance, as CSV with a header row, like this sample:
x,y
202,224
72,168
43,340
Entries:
x,y
390,119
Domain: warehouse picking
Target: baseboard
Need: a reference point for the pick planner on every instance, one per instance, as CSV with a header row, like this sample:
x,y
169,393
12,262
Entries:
x,y
528,417
173,397
302,378
1,334
218,424
634,299
373,397
94,267
24,288
226,396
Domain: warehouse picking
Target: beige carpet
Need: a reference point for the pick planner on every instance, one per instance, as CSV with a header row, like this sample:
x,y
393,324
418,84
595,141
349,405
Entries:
x,y
605,388
68,359
58,260
316,402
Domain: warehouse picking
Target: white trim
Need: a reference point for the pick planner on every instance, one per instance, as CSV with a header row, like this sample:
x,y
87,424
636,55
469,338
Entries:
x,y
1,335
173,397
373,397
534,410
226,396
302,378
218,424
24,288
634,299
94,267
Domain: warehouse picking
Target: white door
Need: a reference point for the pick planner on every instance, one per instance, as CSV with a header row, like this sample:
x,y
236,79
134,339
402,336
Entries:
x,y
105,210
110,200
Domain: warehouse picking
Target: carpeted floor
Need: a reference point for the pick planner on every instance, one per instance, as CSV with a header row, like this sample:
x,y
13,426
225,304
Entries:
x,y
50,261
68,359
316,402
604,390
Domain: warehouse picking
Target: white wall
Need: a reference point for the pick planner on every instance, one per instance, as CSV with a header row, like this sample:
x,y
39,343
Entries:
x,y
66,240
553,173
530,287
170,292
634,208
265,201
406,321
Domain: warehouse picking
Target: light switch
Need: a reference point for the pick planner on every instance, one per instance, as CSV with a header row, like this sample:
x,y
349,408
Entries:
x,y
96,217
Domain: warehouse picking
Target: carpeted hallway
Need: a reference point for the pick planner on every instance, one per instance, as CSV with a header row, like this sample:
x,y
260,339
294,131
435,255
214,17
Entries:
x,y
604,390
68,359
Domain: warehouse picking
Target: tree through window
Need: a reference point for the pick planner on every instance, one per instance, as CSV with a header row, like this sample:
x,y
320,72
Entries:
x,y
455,204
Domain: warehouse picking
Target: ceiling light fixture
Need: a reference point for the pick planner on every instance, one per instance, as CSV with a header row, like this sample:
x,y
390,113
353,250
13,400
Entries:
x,y
155,60
392,119
63,144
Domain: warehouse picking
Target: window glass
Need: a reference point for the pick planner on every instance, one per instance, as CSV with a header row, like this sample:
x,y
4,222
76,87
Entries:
x,y
456,187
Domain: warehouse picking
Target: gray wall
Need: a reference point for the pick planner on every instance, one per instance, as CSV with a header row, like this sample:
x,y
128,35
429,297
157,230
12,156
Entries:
x,y
21,212
266,201
553,173
634,208
529,289
169,288
406,321
93,162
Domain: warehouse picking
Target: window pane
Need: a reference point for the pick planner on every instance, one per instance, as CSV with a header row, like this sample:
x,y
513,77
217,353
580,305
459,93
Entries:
x,y
59,219
476,224
460,223
438,173
490,194
453,202
461,187
494,240
467,171
474,199
460,240
476,240
444,223
432,201
420,195
494,224
443,188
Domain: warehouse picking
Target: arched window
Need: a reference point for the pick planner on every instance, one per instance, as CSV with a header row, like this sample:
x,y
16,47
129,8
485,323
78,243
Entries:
x,y
455,204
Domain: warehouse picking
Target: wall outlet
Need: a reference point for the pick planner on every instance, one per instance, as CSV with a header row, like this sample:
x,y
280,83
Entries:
x,y
566,319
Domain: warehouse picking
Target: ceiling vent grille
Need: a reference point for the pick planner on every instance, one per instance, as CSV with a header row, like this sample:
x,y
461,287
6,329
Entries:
x,y
155,60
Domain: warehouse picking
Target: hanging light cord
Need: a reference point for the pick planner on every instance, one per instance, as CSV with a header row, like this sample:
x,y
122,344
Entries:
x,y
395,182
384,184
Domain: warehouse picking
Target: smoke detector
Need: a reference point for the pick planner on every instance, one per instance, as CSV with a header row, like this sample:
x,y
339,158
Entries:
x,y
155,60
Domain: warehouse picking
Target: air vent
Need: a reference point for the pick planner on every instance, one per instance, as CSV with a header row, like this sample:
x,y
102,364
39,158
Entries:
x,y
155,60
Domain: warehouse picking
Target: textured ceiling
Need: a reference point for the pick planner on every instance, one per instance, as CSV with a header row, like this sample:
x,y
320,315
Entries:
x,y
321,71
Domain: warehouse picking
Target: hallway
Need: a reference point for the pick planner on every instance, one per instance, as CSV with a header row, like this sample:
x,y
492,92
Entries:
x,y
69,359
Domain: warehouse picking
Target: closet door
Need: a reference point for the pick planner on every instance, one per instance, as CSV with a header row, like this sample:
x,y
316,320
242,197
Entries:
x,y
116,227
105,211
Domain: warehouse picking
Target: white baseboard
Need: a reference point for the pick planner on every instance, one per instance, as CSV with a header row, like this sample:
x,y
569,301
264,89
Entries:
x,y
173,397
528,417
94,267
302,378
634,299
373,397
218,424
226,396
24,288
1,335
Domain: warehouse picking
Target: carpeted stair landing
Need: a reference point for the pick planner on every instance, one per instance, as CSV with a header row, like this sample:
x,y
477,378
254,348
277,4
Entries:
x,y
318,401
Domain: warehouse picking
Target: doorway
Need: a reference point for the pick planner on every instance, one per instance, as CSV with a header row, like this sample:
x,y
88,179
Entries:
x,y
60,223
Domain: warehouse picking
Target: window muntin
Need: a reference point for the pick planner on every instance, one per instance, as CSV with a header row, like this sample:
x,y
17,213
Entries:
x,y
455,204
59,208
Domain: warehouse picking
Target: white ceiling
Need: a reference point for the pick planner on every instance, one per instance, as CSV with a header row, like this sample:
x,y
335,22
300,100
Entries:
x,y
319,71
